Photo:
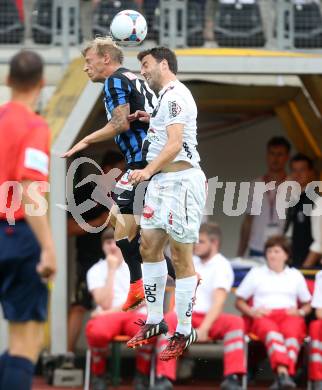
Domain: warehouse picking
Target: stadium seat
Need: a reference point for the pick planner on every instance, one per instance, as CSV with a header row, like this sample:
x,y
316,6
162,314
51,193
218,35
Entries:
x,y
151,8
11,27
239,25
307,25
42,22
115,363
115,360
195,24
104,13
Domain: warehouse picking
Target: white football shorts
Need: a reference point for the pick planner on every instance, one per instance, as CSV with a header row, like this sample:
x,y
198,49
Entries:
x,y
175,202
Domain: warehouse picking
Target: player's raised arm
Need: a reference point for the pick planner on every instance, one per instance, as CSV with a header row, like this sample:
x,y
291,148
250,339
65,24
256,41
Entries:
x,y
118,124
171,148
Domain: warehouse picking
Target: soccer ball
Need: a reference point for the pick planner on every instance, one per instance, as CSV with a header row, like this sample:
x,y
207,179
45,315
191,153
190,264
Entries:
x,y
128,28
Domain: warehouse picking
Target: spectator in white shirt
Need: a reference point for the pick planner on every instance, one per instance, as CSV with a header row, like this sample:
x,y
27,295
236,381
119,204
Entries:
x,y
276,317
315,360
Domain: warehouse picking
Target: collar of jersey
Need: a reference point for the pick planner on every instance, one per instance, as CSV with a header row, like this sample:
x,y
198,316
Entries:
x,y
170,85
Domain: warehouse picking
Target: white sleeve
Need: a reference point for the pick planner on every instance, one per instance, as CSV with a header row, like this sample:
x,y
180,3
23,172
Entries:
x,y
316,227
303,293
95,277
317,295
224,277
246,288
175,109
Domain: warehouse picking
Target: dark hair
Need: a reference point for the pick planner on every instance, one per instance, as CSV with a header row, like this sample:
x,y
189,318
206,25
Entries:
x,y
161,53
212,230
302,157
108,234
279,141
111,158
280,241
25,70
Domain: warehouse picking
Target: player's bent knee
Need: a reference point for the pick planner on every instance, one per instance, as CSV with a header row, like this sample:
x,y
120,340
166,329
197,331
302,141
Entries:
x,y
125,227
149,253
26,339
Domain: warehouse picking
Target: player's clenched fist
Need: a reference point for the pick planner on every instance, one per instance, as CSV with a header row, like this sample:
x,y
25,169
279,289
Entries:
x,y
139,115
139,175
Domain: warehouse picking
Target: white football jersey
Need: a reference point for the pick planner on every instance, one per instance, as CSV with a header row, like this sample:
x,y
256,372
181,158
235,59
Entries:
x,y
175,105
317,295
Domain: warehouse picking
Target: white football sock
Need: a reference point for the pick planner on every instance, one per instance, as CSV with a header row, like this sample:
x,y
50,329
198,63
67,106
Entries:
x,y
154,280
185,293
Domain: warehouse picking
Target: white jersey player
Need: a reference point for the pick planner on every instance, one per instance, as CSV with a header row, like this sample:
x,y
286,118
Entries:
x,y
175,105
174,200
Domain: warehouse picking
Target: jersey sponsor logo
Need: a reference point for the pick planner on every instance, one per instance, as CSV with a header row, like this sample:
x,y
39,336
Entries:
x,y
170,218
150,292
174,109
130,75
148,212
151,136
37,160
187,150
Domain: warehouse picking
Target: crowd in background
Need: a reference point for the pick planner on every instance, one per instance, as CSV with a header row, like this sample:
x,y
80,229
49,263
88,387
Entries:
x,y
274,298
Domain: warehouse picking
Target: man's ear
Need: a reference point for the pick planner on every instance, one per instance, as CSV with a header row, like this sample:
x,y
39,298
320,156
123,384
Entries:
x,y
107,59
164,64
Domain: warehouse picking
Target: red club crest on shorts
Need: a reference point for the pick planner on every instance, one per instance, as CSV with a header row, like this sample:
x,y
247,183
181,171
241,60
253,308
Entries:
x,y
170,219
148,212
